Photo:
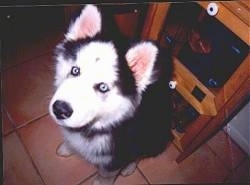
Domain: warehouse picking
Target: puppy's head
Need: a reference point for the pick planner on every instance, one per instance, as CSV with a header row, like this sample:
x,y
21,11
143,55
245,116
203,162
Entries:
x,y
95,83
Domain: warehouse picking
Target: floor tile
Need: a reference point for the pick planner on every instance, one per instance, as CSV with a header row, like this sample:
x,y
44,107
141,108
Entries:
x,y
29,47
41,139
201,167
135,178
17,166
241,174
155,168
18,51
226,149
27,89
7,125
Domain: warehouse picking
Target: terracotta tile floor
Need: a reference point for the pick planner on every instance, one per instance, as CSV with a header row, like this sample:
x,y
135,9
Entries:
x,y
30,137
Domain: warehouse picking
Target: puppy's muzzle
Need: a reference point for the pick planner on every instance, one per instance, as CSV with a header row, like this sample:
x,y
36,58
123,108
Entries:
x,y
62,109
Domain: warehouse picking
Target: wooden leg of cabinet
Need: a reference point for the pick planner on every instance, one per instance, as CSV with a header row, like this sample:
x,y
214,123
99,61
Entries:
x,y
194,129
183,140
210,129
218,121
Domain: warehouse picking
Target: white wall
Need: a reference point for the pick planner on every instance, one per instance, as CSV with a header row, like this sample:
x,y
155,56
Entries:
x,y
239,128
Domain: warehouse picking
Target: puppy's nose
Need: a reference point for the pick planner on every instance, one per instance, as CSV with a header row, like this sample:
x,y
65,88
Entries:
x,y
62,109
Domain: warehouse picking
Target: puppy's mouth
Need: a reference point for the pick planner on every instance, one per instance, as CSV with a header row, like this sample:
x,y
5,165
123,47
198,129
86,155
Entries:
x,y
83,128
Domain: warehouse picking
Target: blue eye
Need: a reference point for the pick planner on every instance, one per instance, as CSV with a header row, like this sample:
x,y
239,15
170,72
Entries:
x,y
75,71
102,87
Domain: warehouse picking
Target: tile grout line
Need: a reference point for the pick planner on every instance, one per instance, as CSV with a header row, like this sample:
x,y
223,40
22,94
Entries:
x,y
15,127
87,178
92,175
8,133
50,49
224,164
30,157
15,130
232,171
29,122
12,122
221,161
25,61
142,174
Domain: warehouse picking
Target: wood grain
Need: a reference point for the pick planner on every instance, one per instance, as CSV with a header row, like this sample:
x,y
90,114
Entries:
x,y
155,20
239,9
230,20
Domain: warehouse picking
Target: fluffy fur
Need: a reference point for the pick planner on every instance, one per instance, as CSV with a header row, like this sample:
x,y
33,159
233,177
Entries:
x,y
117,108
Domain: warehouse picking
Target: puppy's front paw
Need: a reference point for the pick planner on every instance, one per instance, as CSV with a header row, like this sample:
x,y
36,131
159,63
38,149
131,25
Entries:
x,y
63,150
99,180
129,170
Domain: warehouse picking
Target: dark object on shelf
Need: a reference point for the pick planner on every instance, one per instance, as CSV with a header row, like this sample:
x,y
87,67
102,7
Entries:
x,y
183,114
185,117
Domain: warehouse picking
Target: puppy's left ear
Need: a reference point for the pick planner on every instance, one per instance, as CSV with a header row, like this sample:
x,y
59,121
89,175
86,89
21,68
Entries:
x,y
141,59
88,24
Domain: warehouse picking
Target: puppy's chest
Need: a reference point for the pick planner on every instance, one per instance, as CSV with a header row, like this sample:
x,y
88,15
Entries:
x,y
96,149
98,145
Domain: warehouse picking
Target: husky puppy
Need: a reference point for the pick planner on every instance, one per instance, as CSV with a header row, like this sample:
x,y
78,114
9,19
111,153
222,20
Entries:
x,y
112,98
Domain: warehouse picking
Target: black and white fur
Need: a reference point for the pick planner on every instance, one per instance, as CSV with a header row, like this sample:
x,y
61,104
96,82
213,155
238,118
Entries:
x,y
112,99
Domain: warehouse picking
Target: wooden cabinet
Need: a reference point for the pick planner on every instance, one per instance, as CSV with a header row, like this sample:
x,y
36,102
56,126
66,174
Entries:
x,y
217,104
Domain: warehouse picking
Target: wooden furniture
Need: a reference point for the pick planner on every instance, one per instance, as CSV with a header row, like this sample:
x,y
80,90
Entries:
x,y
219,104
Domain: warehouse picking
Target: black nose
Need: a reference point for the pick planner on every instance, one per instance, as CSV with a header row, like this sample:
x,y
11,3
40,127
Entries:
x,y
62,109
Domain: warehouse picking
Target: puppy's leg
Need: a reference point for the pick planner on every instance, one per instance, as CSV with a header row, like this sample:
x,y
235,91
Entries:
x,y
105,177
64,150
129,169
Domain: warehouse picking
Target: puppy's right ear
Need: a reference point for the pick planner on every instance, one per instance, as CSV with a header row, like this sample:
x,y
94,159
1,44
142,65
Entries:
x,y
141,59
88,24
